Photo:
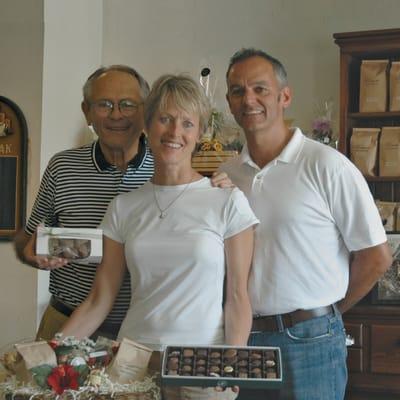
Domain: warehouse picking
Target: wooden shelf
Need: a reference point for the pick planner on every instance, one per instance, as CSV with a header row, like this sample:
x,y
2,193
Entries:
x,y
373,364
382,178
364,115
366,311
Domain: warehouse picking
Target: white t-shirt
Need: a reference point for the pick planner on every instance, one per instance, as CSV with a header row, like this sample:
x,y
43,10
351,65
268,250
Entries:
x,y
177,263
314,207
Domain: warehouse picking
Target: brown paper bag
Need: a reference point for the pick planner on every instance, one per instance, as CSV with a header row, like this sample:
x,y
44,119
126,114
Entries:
x,y
33,355
394,86
373,85
389,151
130,363
364,148
388,212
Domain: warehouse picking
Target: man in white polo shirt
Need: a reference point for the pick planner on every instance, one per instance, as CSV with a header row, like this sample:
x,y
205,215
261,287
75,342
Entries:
x,y
320,246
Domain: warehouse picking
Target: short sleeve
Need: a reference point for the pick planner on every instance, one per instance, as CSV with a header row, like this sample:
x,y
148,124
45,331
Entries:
x,y
354,210
111,225
238,214
43,208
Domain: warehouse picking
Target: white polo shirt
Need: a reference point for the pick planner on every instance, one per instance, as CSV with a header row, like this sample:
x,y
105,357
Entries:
x,y
314,208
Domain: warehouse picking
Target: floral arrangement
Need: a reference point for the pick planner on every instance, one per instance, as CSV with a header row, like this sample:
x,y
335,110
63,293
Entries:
x,y
322,125
216,137
66,367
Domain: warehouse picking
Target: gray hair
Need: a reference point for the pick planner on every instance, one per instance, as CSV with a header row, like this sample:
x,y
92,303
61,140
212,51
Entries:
x,y
245,53
87,87
184,92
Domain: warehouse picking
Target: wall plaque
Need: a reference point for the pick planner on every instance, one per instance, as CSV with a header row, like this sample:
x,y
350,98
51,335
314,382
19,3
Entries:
x,y
13,163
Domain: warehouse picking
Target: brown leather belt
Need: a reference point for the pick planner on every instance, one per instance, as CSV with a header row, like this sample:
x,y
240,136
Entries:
x,y
279,322
60,306
67,311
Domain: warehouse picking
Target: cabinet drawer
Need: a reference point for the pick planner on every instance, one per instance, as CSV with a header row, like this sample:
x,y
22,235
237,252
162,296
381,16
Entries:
x,y
354,360
385,349
355,331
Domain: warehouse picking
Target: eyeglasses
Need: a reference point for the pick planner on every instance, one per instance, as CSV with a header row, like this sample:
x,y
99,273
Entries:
x,y
103,108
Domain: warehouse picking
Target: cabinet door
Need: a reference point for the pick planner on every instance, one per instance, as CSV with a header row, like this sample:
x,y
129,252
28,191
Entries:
x,y
385,349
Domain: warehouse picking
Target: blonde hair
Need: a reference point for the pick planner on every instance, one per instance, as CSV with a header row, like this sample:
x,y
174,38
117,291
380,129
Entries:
x,y
184,93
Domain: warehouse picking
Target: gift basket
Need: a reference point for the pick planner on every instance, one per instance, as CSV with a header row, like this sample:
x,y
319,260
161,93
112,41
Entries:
x,y
66,368
222,140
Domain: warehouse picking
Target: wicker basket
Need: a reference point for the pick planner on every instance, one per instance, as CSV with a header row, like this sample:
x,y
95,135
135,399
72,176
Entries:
x,y
209,161
68,396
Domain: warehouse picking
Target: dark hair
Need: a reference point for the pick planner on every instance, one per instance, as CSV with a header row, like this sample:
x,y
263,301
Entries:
x,y
183,91
87,87
245,53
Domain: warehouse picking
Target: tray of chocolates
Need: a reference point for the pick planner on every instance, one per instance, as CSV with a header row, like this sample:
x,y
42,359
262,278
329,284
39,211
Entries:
x,y
247,367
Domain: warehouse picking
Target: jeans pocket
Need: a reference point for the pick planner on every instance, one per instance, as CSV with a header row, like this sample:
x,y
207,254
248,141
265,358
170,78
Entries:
x,y
312,330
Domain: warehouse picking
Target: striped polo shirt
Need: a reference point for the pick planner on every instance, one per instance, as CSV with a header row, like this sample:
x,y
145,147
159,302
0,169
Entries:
x,y
76,188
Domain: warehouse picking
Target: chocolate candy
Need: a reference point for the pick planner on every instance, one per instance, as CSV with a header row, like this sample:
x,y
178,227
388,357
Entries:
x,y
173,363
230,353
255,356
228,362
72,249
242,363
188,353
243,353
201,353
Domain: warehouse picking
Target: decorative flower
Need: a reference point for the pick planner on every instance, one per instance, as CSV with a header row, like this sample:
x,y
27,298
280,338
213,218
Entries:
x,y
211,145
322,125
63,377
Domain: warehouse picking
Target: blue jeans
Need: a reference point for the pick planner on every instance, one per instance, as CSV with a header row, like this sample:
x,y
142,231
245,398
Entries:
x,y
313,359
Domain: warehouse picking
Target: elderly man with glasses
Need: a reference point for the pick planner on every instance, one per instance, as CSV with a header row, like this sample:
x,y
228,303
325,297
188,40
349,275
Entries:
x,y
78,185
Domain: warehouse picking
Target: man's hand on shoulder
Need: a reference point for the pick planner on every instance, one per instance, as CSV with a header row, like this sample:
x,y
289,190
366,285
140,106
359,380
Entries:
x,y
221,180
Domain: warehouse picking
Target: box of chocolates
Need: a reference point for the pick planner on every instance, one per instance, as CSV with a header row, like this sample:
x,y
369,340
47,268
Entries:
x,y
76,244
247,367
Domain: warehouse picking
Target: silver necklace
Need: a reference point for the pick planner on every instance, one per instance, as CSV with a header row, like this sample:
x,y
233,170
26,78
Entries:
x,y
163,211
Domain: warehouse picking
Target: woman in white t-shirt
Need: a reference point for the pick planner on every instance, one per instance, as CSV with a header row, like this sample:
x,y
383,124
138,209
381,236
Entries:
x,y
179,237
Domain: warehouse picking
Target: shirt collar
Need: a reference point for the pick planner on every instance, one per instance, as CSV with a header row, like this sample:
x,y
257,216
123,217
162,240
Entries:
x,y
288,155
292,150
102,164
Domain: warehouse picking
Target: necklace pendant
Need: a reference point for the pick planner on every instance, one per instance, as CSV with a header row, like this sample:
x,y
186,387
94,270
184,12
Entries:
x,y
162,215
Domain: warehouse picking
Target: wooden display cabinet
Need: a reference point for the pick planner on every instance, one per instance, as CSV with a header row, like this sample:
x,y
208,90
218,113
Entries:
x,y
374,359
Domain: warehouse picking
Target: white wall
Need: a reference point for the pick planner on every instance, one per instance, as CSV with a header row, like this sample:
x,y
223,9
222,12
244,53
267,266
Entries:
x,y
181,35
72,51
21,53
47,48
